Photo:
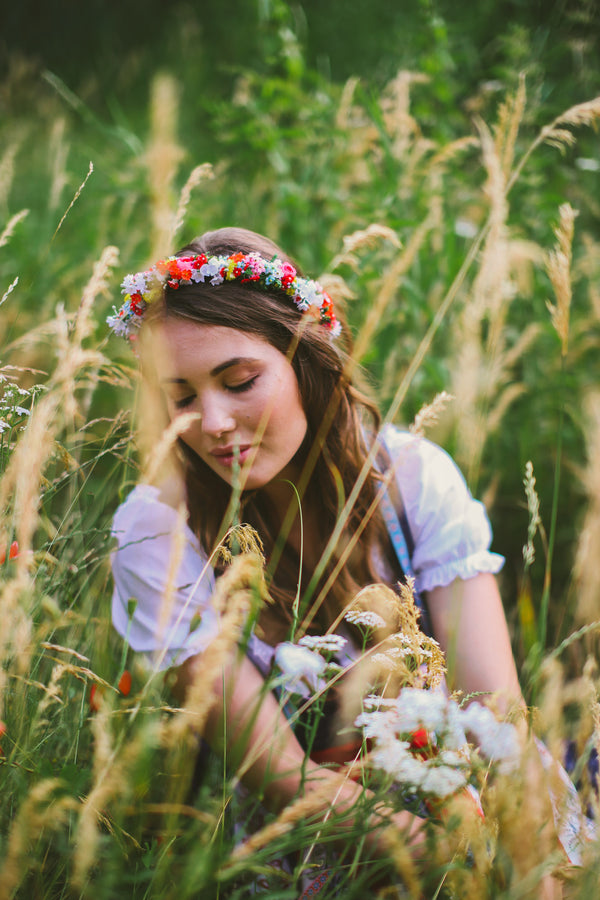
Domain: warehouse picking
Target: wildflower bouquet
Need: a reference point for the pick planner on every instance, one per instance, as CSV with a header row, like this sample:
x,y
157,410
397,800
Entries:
x,y
412,736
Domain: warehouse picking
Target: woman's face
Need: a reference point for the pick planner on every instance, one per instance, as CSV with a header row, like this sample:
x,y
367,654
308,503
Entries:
x,y
245,393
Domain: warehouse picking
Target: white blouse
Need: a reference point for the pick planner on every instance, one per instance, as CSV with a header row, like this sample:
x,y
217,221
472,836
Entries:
x,y
160,563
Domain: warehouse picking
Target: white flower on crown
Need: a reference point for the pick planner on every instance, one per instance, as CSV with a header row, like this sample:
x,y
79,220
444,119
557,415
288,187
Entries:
x,y
136,283
212,270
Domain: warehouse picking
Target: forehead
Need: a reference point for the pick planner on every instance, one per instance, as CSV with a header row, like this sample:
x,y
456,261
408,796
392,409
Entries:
x,y
190,347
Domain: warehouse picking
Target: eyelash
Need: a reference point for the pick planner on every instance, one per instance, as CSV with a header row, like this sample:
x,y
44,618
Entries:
x,y
240,388
233,389
181,404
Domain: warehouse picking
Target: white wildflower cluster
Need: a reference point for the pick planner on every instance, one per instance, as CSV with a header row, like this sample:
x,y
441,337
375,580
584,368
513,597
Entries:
x,y
303,670
364,618
12,409
419,740
496,740
323,643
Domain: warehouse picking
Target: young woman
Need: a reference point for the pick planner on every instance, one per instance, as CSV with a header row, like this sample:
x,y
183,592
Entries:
x,y
254,362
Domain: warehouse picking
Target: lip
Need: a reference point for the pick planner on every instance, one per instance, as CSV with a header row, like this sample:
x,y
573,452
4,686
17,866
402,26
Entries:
x,y
226,456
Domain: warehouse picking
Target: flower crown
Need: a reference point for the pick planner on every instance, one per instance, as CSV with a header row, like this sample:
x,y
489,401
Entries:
x,y
246,268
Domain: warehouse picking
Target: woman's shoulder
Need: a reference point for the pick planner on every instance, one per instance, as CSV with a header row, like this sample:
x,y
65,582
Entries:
x,y
450,528
145,507
415,457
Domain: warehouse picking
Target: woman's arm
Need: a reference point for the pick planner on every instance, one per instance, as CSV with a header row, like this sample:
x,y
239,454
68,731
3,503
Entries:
x,y
468,621
247,723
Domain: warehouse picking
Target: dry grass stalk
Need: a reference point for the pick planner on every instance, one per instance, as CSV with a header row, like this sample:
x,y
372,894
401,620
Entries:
x,y
368,237
481,379
400,655
112,776
22,480
400,125
58,151
75,199
41,811
7,166
390,284
510,117
398,850
199,174
177,549
236,593
312,803
550,706
162,158
429,413
11,225
587,570
533,508
450,150
163,450
524,820
9,290
558,266
580,115
98,284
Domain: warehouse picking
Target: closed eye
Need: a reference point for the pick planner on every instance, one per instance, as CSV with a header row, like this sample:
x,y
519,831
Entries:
x,y
185,401
240,388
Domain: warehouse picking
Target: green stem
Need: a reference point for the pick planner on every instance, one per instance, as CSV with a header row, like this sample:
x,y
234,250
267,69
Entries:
x,y
543,625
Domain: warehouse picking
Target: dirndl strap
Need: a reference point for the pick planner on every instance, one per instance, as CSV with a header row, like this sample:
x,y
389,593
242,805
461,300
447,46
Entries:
x,y
403,544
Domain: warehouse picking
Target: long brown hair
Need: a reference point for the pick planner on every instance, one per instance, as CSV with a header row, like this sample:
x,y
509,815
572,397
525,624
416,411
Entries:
x,y
328,396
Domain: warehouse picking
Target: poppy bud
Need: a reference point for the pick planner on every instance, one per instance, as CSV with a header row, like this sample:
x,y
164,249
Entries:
x,y
125,683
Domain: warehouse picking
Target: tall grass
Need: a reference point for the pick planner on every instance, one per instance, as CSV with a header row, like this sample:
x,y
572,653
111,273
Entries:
x,y
443,268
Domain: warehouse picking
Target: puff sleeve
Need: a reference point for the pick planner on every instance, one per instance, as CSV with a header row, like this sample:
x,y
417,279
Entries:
x,y
450,529
167,629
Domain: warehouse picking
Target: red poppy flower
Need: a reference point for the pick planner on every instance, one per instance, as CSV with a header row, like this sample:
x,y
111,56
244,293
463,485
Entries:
x,y
94,698
419,739
12,554
125,683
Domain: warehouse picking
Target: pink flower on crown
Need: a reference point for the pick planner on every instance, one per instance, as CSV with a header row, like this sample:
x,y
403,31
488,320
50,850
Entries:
x,y
288,274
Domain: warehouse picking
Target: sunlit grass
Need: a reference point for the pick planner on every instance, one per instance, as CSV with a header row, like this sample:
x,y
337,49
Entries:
x,y
447,290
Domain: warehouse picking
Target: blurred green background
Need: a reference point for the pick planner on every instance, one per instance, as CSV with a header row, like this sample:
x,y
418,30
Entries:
x,y
299,108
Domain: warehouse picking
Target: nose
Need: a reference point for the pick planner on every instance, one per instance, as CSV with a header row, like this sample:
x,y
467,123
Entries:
x,y
217,418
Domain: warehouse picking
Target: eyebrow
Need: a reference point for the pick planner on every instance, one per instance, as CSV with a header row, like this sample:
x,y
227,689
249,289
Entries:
x,y
228,364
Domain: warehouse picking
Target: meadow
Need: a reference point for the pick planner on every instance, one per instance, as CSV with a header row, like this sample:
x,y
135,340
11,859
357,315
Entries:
x,y
468,257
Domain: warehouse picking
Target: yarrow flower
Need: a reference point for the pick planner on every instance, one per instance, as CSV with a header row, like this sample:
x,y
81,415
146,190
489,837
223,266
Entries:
x,y
419,740
302,669
323,643
365,618
247,268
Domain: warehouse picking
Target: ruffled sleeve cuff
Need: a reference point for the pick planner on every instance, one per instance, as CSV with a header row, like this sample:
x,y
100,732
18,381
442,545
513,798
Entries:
x,y
440,576
450,529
